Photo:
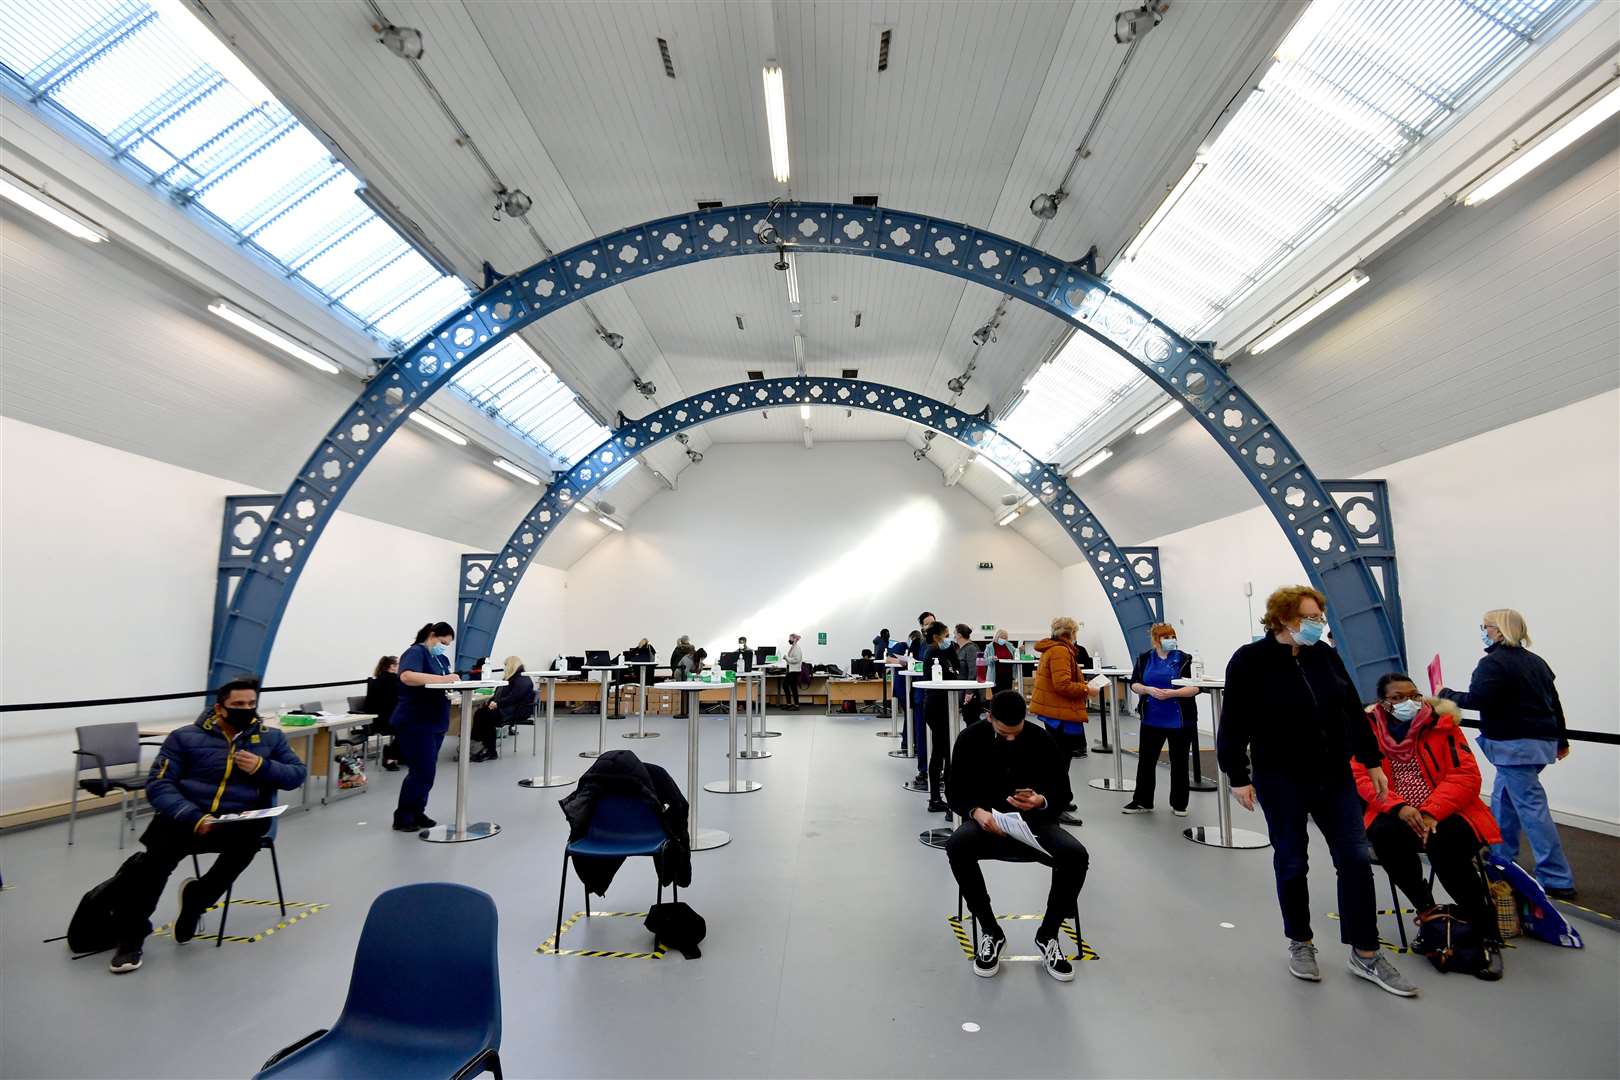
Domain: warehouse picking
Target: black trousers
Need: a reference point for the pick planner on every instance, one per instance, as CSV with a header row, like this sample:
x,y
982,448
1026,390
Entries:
x,y
790,688
972,708
1331,801
1453,850
167,842
970,845
484,721
939,752
419,749
1147,764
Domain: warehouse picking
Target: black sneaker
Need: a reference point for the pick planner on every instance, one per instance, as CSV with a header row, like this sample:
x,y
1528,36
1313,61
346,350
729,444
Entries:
x,y
125,959
1562,894
987,959
185,923
405,826
1492,971
1057,965
424,822
1134,807
938,806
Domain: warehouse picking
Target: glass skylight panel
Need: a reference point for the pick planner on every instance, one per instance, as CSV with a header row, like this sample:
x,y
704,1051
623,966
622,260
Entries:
x,y
165,97
1077,386
1339,110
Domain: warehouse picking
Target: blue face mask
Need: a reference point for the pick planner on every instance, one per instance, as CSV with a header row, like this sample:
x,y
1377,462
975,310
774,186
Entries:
x,y
1485,636
438,648
1310,631
1406,711
1169,644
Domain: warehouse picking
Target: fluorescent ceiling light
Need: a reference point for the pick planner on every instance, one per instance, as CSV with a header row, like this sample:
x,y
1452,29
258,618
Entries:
x,y
1346,285
1164,209
776,120
1010,517
1157,418
513,470
581,507
792,273
437,428
41,206
1092,462
1530,159
1305,29
804,412
610,523
271,336
993,467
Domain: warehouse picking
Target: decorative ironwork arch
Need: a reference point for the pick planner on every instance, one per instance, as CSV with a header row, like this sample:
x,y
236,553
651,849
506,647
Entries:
x,y
1313,522
487,584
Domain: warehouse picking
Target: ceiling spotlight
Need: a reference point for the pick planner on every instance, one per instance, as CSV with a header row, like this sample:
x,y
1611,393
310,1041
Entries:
x,y
1045,207
645,388
1133,23
958,384
984,334
512,203
782,263
681,437
404,42
919,454
606,508
694,456
614,341
767,234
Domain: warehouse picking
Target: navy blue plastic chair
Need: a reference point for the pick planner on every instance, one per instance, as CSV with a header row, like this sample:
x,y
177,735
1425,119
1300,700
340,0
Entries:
x,y
621,826
425,996
267,842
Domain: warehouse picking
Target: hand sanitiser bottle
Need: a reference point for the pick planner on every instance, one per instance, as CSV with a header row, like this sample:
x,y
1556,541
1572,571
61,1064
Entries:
x,y
938,672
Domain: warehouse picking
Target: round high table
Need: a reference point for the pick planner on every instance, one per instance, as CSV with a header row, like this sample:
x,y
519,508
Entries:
x,y
601,714
765,674
1023,667
750,704
641,731
902,712
547,778
1117,782
702,839
731,785
953,690
1220,835
462,830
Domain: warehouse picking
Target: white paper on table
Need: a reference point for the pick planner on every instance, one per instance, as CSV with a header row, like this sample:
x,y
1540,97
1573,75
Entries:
x,y
1099,683
1016,827
254,815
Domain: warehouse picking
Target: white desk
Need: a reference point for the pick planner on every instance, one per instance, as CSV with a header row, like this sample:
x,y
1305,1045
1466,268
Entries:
x,y
1223,835
1117,782
601,714
1022,666
702,839
642,668
463,830
331,723
952,688
547,778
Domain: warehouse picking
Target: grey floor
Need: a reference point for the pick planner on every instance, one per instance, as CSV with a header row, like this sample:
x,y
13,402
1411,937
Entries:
x,y
828,951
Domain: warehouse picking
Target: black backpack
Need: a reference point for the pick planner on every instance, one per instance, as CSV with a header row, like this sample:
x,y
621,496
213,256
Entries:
x,y
1449,941
94,926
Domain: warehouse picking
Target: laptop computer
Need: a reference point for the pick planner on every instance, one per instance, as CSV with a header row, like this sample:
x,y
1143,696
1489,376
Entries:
x,y
596,657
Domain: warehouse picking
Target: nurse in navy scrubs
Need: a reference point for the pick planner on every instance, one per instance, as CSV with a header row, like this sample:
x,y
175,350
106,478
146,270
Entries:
x,y
421,719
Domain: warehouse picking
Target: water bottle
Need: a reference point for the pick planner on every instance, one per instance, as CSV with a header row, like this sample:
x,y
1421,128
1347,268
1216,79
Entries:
x,y
1197,665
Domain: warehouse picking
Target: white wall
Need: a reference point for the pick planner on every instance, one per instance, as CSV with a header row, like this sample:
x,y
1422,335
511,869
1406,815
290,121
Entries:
x,y
1526,517
106,590
764,539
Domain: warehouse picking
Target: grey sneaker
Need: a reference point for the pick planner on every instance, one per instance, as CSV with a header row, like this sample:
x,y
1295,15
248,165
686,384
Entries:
x,y
1302,961
1378,969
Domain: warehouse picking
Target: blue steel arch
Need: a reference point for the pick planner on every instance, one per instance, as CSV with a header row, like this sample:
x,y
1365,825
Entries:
x,y
1310,518
484,605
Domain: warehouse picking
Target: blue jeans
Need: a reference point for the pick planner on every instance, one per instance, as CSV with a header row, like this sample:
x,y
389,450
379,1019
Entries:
x,y
1519,802
419,750
1332,802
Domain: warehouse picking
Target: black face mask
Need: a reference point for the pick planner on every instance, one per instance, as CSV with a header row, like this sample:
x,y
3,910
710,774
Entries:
x,y
240,719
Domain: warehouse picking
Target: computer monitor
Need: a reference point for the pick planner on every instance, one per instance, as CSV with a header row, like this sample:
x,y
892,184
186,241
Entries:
x,y
764,652
596,657
728,661
643,653
576,663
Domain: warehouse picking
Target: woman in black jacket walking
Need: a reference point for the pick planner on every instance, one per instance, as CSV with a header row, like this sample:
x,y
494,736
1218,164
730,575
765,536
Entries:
x,y
1291,707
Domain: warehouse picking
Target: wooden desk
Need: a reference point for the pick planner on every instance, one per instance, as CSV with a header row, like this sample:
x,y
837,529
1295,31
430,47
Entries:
x,y
842,690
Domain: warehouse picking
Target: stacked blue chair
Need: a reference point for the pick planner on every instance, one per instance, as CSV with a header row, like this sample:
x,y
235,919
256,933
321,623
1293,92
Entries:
x,y
400,1020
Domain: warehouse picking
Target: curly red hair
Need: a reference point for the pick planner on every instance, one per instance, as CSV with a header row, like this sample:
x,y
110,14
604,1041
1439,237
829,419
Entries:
x,y
1282,606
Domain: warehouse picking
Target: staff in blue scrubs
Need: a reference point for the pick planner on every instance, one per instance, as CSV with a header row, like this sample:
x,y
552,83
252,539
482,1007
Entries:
x,y
421,719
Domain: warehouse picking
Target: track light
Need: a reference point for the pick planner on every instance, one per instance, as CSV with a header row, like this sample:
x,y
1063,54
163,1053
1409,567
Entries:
x,y
1537,153
767,235
44,207
441,430
404,42
614,341
1092,462
959,383
1134,23
644,388
513,470
920,453
1340,289
1045,207
984,334
272,336
694,456
513,203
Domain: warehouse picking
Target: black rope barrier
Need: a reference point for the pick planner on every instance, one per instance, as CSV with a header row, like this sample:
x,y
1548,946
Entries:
x,y
91,703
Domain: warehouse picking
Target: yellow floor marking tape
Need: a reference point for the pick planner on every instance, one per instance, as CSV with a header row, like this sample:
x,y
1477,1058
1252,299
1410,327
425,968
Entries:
x,y
959,928
304,910
1394,948
548,947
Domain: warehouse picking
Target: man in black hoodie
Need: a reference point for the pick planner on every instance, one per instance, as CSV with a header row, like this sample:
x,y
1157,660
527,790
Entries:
x,y
1012,768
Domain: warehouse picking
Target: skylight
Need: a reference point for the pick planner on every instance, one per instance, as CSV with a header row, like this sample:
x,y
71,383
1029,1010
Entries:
x,y
153,88
1356,86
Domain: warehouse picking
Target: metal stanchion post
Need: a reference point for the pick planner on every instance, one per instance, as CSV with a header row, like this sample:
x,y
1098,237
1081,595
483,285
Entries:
x,y
546,779
462,829
1222,835
1117,782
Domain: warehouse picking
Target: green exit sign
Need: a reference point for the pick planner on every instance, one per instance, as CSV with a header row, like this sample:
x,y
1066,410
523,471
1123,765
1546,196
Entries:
x,y
821,638
988,626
